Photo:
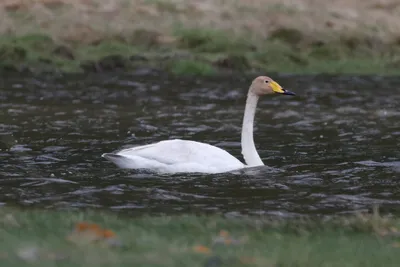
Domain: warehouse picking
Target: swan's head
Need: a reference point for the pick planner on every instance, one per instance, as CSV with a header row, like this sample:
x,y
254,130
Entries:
x,y
263,85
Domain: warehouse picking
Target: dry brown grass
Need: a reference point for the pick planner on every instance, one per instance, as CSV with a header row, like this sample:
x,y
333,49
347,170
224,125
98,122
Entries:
x,y
89,21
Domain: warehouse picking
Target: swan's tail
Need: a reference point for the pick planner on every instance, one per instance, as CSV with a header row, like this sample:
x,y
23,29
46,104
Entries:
x,y
111,156
118,160
132,162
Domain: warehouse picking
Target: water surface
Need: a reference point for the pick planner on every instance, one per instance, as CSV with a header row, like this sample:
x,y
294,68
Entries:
x,y
334,148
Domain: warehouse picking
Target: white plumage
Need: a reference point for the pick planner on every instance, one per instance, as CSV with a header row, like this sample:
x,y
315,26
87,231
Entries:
x,y
176,156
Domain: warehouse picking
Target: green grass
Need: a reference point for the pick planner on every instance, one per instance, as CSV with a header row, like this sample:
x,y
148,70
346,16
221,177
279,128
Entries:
x,y
192,67
201,51
39,238
211,41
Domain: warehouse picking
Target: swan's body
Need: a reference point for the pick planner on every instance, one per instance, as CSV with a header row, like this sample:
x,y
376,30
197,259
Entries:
x,y
175,156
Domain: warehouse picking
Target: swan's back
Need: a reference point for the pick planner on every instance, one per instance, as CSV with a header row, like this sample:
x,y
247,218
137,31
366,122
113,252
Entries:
x,y
176,156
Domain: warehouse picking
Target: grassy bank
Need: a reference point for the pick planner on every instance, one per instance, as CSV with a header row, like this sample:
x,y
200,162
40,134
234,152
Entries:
x,y
201,37
41,238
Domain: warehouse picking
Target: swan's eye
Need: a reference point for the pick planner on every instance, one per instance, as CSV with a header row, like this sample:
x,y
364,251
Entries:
x,y
266,81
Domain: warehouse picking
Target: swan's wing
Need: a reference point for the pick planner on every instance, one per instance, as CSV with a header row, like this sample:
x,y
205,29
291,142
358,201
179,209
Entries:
x,y
182,151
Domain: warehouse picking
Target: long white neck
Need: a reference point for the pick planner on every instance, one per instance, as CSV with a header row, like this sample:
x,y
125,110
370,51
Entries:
x,y
249,151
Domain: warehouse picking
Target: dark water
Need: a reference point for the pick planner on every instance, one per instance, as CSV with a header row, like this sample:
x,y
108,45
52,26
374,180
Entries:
x,y
334,148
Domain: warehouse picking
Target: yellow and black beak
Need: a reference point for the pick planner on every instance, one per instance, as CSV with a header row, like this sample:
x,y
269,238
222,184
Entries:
x,y
278,89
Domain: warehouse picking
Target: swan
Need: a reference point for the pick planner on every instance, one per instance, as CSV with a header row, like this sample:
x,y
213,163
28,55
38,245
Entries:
x,y
186,156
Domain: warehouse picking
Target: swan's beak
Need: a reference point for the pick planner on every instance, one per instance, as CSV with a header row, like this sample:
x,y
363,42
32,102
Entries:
x,y
278,89
287,92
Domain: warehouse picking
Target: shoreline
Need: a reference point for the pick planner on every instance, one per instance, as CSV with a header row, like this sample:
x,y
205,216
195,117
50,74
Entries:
x,y
81,36
23,60
21,54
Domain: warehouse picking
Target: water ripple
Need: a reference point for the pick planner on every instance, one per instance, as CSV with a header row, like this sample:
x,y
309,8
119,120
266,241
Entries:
x,y
332,149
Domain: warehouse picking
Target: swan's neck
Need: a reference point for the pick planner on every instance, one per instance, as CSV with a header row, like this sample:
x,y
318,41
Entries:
x,y
249,151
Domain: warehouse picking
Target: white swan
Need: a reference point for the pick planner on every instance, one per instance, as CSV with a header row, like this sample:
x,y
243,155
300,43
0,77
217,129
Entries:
x,y
177,156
